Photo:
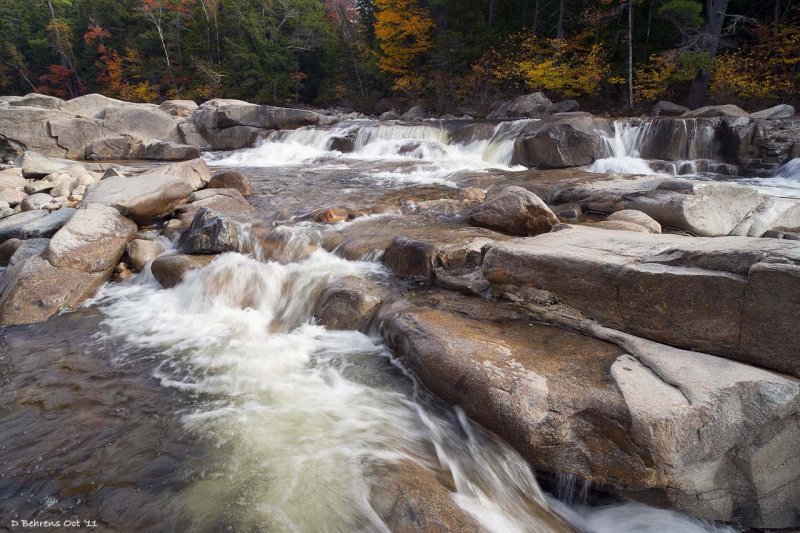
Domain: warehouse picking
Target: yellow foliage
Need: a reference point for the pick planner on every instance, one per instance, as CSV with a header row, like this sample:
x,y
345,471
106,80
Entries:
x,y
403,31
651,81
558,65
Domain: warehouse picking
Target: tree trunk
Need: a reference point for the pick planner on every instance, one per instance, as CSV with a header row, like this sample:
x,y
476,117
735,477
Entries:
x,y
62,52
491,12
535,26
647,35
716,18
630,54
560,27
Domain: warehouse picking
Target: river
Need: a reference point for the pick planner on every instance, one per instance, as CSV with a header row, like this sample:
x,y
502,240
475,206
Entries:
x,y
220,405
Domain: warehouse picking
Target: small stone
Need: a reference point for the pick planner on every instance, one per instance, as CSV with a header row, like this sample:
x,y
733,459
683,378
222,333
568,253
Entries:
x,y
12,196
7,250
333,215
142,251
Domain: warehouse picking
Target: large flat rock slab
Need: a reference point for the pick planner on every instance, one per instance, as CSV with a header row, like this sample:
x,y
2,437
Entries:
x,y
709,436
730,296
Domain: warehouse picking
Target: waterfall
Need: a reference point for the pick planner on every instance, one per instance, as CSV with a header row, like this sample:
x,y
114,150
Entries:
x,y
430,147
790,171
621,152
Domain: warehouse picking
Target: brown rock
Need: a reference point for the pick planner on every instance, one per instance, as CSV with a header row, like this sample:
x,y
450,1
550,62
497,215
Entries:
x,y
169,269
7,250
515,211
348,303
636,217
232,179
332,215
142,251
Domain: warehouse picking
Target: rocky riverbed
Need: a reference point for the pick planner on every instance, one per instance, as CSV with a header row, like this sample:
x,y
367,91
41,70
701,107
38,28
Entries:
x,y
231,316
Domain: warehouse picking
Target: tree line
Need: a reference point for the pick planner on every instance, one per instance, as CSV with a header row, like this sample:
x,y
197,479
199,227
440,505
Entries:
x,y
372,54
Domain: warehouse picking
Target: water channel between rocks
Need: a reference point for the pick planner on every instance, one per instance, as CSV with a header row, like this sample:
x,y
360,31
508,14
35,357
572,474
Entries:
x,y
220,404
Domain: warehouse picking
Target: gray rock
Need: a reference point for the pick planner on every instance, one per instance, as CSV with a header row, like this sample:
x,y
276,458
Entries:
x,y
231,179
348,303
663,108
7,250
164,151
170,269
38,100
12,179
645,419
779,111
693,293
12,196
416,112
565,106
36,201
228,202
534,105
636,217
140,198
515,211
728,110
34,224
142,251
93,240
195,172
35,165
701,208
389,115
210,233
564,140
178,108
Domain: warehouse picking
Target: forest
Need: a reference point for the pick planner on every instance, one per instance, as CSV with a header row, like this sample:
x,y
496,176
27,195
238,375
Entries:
x,y
371,55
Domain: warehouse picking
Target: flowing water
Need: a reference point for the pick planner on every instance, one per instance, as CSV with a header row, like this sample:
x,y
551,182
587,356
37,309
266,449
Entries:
x,y
221,405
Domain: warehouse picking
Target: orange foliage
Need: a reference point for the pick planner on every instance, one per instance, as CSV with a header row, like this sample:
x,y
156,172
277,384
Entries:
x,y
403,30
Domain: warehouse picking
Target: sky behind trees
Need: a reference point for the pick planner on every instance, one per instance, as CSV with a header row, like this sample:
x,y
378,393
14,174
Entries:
x,y
372,54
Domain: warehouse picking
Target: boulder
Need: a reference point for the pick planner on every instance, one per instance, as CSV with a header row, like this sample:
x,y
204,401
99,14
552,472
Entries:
x,y
228,202
231,179
636,217
348,303
779,111
564,140
233,124
707,436
163,151
178,108
663,108
694,293
698,207
142,251
450,261
36,201
515,211
618,225
728,110
34,224
60,275
195,172
565,106
34,290
534,105
140,198
7,250
12,179
210,233
35,165
170,269
416,112
409,499
93,240
12,197
389,115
